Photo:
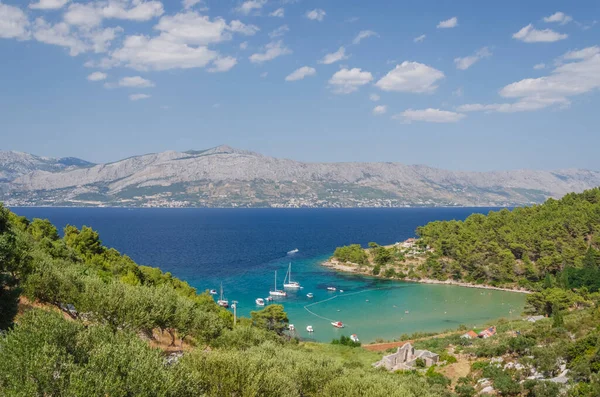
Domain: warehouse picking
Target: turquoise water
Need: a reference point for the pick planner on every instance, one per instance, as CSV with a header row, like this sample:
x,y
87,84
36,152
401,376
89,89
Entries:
x,y
243,247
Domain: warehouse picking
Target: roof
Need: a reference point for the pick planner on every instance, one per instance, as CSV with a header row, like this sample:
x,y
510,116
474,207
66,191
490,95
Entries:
x,y
470,334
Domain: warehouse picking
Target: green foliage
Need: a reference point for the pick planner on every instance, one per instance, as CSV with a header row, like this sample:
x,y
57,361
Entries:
x,y
271,318
345,341
351,253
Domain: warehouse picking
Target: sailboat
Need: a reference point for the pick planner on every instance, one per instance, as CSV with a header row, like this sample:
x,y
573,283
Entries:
x,y
290,283
222,302
275,291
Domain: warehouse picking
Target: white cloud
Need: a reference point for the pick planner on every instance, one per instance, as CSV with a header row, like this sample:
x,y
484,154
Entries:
x,y
379,110
13,23
59,34
137,97
529,34
97,76
558,17
448,23
223,64
419,38
316,15
301,73
243,45
91,14
429,115
363,34
187,4
272,50
251,5
278,13
280,31
539,66
374,97
346,81
48,4
100,40
333,57
411,77
143,53
193,28
577,73
468,61
135,81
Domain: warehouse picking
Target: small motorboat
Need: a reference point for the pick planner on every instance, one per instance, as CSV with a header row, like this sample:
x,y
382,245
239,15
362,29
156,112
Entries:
x,y
292,252
330,288
291,327
213,291
354,338
260,301
341,290
337,324
309,295
406,312
310,328
269,299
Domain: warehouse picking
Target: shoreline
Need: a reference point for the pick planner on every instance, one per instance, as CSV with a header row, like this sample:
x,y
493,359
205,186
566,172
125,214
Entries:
x,y
353,268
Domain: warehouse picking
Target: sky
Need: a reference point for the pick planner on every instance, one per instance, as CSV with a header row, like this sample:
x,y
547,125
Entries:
x,y
461,85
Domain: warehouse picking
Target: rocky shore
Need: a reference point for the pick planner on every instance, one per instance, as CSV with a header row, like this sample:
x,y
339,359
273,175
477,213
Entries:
x,y
354,268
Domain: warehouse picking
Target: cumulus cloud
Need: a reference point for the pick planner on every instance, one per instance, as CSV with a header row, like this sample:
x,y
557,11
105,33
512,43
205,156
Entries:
x,y
193,28
558,17
578,72
539,66
223,64
158,53
90,15
316,15
448,23
251,5
48,4
135,81
243,45
59,34
137,97
429,115
529,34
301,73
379,110
97,76
13,23
187,4
419,38
345,81
278,13
374,97
411,77
363,34
468,61
271,51
280,31
333,57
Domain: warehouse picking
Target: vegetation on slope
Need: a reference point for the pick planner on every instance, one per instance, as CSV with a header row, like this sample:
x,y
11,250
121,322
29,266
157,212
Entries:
x,y
99,343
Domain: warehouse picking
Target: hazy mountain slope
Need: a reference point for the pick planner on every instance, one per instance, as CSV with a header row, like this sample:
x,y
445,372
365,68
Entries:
x,y
225,176
16,164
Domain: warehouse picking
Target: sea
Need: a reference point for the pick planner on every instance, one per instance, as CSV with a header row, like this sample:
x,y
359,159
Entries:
x,y
241,249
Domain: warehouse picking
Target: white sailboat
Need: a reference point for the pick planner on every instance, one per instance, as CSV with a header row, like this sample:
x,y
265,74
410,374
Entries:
x,y
275,291
290,283
260,301
222,302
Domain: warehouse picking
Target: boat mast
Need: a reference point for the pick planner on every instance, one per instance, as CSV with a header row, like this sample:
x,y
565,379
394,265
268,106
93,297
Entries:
x,y
290,273
221,291
275,281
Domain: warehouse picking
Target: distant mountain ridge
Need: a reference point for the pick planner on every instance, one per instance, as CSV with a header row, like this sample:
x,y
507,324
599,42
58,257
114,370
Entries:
x,y
227,177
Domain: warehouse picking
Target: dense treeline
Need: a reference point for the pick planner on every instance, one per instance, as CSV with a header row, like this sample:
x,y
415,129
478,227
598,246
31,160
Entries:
x,y
555,243
96,344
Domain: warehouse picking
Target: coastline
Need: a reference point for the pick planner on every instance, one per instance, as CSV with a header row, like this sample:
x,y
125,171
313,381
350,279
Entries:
x,y
353,268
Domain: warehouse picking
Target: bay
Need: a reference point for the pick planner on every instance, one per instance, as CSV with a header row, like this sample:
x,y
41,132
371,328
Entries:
x,y
242,248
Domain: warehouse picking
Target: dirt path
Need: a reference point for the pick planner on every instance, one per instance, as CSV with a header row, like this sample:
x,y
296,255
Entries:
x,y
378,347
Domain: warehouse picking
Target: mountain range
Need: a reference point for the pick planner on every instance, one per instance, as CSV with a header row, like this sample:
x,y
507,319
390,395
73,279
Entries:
x,y
228,177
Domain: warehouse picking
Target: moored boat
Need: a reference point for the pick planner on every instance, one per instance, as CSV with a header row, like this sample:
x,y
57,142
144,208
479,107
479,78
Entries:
x,y
260,301
337,324
330,288
310,328
290,284
354,338
222,301
275,291
309,295
213,291
291,327
292,252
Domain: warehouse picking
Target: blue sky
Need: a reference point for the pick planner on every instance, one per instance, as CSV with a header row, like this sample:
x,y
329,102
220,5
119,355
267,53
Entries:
x,y
466,85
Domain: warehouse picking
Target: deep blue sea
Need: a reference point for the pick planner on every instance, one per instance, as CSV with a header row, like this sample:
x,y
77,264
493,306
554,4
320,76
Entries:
x,y
242,248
